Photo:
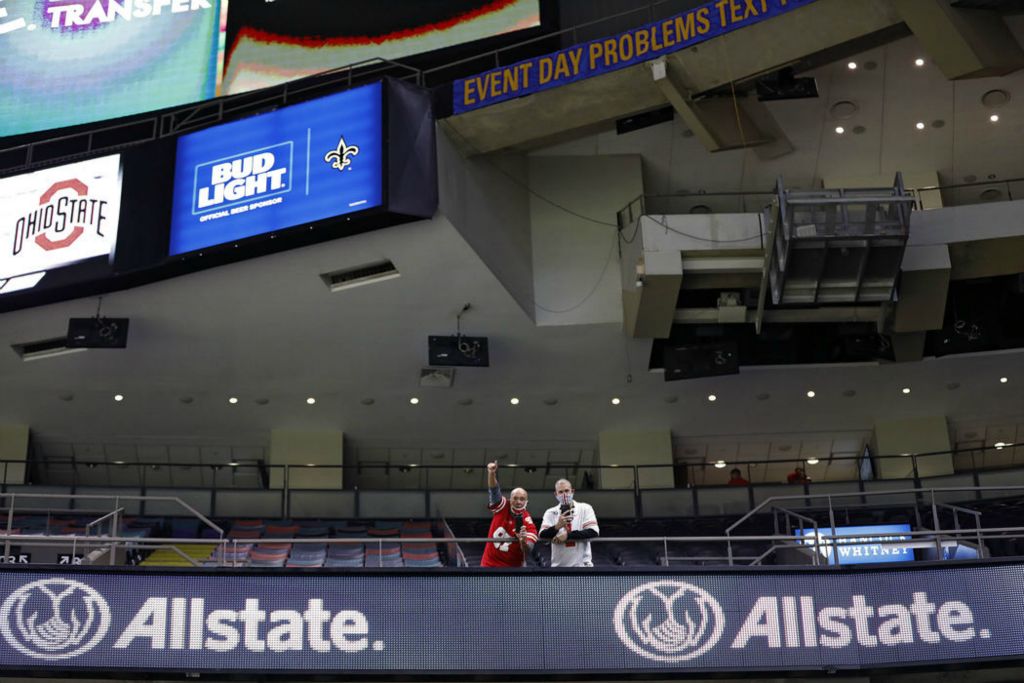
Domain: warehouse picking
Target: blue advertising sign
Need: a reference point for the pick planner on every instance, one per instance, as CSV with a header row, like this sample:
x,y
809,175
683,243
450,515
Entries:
x,y
656,622
616,52
296,165
861,544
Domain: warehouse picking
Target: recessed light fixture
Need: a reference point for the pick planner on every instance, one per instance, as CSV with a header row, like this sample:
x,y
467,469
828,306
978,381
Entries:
x,y
514,401
918,62
310,400
919,125
119,462
810,393
721,465
905,390
851,65
993,118
414,400
999,445
616,401
812,461
1003,380
232,464
712,397
233,400
118,397
840,130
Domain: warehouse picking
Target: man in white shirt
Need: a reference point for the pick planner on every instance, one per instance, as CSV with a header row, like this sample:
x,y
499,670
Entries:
x,y
569,526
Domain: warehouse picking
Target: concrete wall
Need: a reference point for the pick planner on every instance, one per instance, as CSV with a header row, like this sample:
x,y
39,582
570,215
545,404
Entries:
x,y
575,260
486,199
294,447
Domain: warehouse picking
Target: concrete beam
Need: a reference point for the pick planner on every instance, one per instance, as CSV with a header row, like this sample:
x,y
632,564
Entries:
x,y
719,123
963,43
837,314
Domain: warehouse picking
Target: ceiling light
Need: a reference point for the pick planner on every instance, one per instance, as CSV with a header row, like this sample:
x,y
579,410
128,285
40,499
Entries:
x,y
919,125
118,397
840,130
616,401
1003,380
810,394
119,462
414,400
905,390
993,118
720,465
851,65
712,397
918,62
232,464
812,461
310,400
232,400
514,401
999,445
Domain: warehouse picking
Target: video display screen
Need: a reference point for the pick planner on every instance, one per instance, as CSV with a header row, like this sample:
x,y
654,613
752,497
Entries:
x,y
273,42
57,217
68,62
415,623
861,544
299,164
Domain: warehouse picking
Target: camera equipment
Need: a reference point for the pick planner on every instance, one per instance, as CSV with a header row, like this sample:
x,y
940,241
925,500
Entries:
x,y
519,521
565,507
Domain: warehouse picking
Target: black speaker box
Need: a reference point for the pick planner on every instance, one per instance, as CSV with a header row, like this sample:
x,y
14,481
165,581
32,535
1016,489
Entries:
x,y
97,333
458,350
687,361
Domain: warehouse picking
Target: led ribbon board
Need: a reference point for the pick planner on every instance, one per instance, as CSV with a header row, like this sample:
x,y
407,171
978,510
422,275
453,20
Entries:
x,y
861,544
616,52
56,217
66,62
746,620
297,165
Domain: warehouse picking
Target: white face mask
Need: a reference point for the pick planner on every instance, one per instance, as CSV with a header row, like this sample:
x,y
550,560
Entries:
x,y
564,498
517,507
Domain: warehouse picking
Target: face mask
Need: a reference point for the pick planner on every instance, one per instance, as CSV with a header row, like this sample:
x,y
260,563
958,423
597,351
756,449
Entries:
x,y
564,498
519,508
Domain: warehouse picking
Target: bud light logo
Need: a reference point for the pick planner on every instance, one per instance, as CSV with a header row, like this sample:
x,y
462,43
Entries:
x,y
237,180
54,619
669,621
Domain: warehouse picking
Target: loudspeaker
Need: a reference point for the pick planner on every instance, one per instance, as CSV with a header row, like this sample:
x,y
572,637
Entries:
x,y
687,361
97,333
458,350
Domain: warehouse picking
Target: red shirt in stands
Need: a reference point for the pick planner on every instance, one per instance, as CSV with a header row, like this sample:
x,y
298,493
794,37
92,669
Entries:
x,y
503,525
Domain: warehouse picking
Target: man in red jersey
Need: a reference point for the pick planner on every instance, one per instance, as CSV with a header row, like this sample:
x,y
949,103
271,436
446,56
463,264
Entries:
x,y
510,520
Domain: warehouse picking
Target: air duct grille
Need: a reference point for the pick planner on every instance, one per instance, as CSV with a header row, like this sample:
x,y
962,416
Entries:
x,y
361,275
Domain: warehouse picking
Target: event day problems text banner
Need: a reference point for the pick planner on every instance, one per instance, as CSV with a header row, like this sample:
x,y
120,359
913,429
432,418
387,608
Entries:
x,y
582,624
617,52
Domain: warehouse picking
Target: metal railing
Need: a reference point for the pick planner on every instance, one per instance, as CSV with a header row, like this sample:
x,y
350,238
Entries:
x,y
753,201
925,495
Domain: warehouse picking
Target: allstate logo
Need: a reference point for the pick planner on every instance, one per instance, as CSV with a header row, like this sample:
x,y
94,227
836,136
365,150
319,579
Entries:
x,y
669,621
54,619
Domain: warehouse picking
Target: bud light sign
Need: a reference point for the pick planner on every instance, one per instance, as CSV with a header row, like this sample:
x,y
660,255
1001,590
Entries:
x,y
294,166
414,623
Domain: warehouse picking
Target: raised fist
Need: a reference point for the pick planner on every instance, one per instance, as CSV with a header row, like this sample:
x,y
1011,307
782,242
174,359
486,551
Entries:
x,y
492,466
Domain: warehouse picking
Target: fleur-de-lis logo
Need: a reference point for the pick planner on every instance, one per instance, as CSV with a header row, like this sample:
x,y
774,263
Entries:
x,y
669,621
341,157
54,619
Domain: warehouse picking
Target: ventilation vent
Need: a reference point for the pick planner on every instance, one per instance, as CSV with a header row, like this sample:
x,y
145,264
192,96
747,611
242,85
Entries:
x,y
44,348
363,275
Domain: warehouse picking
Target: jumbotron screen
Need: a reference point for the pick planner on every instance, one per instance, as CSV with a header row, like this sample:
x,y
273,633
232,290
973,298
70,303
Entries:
x,y
68,62
273,42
